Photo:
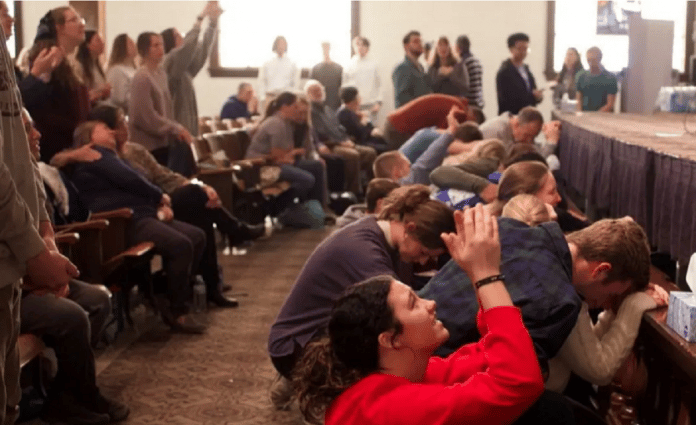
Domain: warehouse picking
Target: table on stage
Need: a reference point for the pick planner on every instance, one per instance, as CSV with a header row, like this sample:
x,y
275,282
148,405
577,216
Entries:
x,y
642,166
645,167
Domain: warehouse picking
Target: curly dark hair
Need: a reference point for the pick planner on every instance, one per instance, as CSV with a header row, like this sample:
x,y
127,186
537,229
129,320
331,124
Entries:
x,y
351,350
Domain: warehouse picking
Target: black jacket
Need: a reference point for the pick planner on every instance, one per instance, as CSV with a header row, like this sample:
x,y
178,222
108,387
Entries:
x,y
512,90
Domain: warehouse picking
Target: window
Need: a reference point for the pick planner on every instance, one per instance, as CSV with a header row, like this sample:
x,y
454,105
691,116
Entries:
x,y
584,24
246,36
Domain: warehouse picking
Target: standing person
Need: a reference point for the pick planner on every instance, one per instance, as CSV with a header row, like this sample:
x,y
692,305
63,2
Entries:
x,y
241,105
515,83
89,67
185,57
596,87
363,74
378,353
409,78
53,93
407,230
23,223
565,83
151,120
121,70
473,69
445,76
329,74
280,73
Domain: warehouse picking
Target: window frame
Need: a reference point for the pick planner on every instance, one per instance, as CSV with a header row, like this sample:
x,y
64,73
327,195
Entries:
x,y
551,74
216,70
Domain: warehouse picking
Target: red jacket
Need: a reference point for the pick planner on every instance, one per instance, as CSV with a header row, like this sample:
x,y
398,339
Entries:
x,y
490,382
426,111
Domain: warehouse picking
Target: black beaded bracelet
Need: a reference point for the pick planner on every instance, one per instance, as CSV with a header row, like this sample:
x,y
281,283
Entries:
x,y
490,279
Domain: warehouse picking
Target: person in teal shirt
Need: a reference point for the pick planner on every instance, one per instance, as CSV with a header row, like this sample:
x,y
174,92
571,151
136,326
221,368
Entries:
x,y
409,78
596,87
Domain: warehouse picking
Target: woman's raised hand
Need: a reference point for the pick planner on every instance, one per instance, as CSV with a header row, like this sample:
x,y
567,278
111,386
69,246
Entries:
x,y
476,245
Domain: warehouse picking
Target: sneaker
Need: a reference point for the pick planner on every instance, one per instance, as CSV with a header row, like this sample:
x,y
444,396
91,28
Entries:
x,y
64,409
281,393
116,410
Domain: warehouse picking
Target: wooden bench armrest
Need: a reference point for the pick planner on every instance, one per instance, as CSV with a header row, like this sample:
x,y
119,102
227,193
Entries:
x,y
67,238
97,224
136,251
119,213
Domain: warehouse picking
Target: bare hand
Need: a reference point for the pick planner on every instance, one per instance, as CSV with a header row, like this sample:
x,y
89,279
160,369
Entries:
x,y
50,271
376,132
658,294
213,198
347,143
445,70
165,214
552,131
452,122
85,153
324,150
538,95
489,193
47,61
185,136
376,108
476,245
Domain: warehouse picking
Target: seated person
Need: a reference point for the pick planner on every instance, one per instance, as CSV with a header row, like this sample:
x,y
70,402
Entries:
x,y
70,322
334,139
350,117
551,271
194,204
110,183
376,364
394,165
406,231
377,190
419,142
274,140
429,110
523,128
241,105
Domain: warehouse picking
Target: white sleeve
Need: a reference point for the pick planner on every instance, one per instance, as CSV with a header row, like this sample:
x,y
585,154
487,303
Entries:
x,y
596,356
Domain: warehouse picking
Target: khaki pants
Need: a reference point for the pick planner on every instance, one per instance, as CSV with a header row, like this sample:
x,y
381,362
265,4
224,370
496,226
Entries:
x,y
10,392
355,158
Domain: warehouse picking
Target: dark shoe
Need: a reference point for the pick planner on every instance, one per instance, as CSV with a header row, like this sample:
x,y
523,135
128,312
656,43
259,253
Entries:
x,y
222,301
252,231
64,409
187,325
116,410
161,303
225,287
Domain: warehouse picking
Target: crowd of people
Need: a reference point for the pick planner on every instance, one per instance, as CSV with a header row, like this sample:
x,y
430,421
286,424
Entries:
x,y
516,267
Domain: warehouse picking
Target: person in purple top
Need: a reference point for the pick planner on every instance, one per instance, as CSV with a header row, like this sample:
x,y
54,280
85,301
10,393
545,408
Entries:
x,y
407,230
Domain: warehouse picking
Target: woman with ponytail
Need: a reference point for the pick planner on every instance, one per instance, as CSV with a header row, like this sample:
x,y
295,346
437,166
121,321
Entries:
x,y
407,230
375,366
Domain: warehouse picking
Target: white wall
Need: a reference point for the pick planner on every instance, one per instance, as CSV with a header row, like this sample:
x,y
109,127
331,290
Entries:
x,y
383,22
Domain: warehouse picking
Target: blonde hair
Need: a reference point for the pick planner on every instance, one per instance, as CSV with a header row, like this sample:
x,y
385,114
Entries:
x,y
386,162
490,148
527,209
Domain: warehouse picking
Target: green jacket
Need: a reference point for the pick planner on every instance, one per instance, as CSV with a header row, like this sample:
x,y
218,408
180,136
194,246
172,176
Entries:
x,y
410,82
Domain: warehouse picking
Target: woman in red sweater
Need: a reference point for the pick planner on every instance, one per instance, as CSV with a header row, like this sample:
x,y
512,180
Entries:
x,y
376,365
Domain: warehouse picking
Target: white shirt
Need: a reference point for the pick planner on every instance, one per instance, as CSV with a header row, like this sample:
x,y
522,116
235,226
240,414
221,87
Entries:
x,y
277,75
120,77
362,73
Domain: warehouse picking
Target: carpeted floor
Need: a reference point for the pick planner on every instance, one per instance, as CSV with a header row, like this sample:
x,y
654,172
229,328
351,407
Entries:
x,y
221,377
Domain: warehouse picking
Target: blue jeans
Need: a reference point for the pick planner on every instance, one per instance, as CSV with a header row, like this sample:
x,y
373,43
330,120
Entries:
x,y
307,177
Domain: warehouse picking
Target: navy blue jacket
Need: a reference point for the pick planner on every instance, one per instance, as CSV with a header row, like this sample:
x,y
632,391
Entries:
x,y
513,94
234,108
110,183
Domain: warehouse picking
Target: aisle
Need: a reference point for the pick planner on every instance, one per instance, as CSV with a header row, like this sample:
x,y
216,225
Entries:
x,y
221,377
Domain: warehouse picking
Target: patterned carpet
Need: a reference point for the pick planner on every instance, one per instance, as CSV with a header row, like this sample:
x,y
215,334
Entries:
x,y
221,377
